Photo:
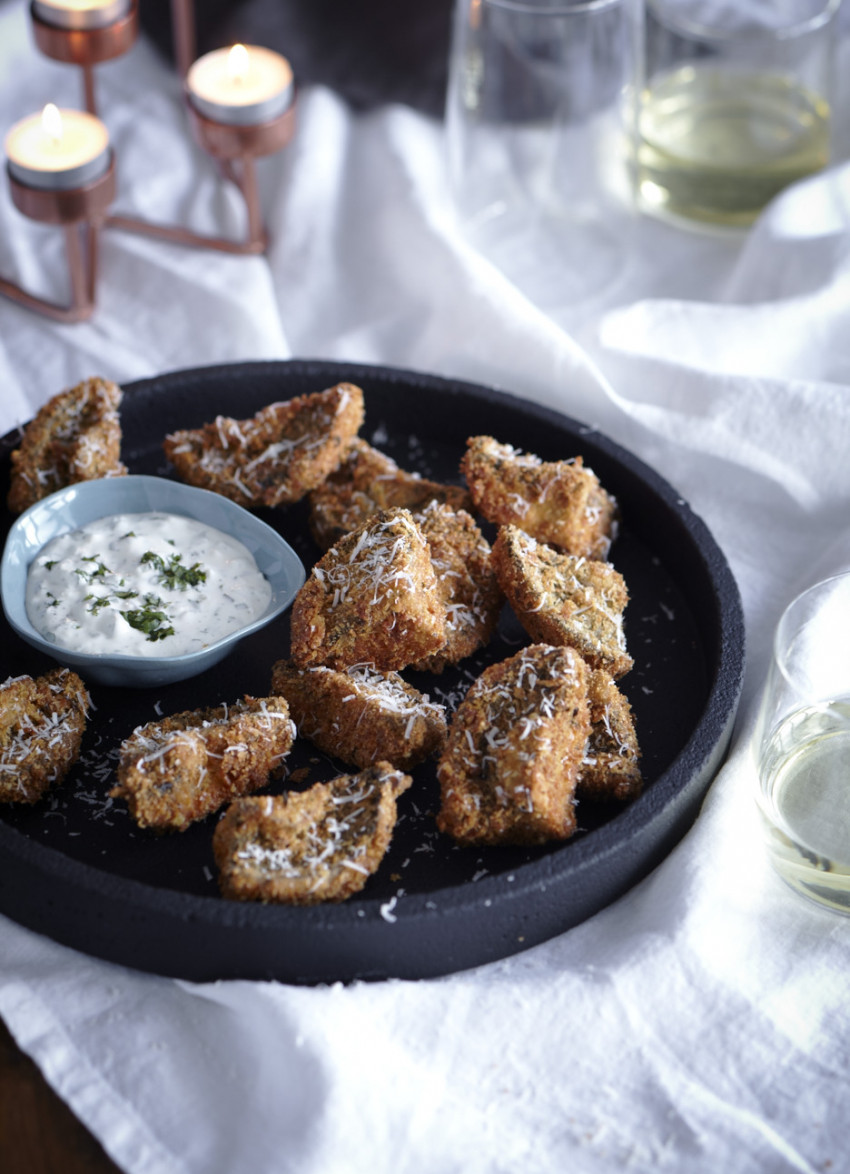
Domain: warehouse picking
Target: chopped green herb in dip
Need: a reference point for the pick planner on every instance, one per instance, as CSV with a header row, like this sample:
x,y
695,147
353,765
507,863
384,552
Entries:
x,y
144,584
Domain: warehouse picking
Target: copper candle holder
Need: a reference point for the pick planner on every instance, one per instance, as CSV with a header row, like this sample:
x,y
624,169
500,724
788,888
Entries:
x,y
183,30
241,145
81,211
85,47
234,130
235,124
235,148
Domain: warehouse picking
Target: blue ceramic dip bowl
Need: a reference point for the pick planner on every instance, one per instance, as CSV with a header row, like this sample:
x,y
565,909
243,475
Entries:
x,y
79,504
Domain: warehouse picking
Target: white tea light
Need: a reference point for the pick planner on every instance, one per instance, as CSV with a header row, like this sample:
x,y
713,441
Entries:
x,y
81,14
242,86
58,149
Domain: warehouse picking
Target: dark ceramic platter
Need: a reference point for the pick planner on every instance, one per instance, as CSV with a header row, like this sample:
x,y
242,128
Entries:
x,y
76,868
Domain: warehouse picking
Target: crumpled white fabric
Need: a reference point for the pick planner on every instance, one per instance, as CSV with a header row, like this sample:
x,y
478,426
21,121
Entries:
x,y
699,1024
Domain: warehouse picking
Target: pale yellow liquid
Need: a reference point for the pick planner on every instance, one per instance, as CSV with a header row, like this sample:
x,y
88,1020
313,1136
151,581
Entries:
x,y
805,802
718,145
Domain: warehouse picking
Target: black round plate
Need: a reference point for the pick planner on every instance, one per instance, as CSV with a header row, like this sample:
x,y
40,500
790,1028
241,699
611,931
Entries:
x,y
76,868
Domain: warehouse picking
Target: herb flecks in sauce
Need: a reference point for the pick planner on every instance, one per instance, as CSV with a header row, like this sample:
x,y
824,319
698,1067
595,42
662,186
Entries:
x,y
144,584
88,574
173,574
98,601
150,619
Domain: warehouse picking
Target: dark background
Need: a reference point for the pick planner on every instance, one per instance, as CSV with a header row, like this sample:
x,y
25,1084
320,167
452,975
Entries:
x,y
369,51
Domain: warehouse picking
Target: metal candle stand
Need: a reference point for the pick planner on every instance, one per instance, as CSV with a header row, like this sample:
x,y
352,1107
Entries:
x,y
81,211
235,148
84,210
86,47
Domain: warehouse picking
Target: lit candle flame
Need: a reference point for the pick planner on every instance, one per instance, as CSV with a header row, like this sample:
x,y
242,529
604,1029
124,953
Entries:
x,y
237,63
51,122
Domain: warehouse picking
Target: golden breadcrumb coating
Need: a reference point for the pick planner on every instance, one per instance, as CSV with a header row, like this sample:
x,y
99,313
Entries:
x,y
305,847
515,747
373,598
460,555
564,598
42,722
182,768
610,768
368,481
360,715
560,502
75,436
278,455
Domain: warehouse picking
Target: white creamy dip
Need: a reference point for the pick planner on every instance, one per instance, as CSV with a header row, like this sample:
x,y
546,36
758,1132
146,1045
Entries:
x,y
152,584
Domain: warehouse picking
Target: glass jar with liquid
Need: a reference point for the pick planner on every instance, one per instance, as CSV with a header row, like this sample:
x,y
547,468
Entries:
x,y
803,745
735,103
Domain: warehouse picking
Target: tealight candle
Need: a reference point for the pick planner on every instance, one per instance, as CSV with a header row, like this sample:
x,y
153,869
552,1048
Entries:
x,y
242,86
58,150
81,14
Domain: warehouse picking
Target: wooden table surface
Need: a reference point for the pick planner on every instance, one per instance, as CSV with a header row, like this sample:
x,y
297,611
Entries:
x,y
38,1132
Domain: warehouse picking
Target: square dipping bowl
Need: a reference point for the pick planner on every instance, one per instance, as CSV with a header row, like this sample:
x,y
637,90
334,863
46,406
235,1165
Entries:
x,y
75,506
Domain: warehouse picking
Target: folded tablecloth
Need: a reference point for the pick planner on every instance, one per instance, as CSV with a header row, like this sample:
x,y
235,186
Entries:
x,y
700,1023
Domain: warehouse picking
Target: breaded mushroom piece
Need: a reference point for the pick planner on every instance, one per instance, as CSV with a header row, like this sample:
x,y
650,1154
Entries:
x,y
559,502
305,847
373,598
360,715
564,598
610,768
515,747
75,436
367,481
278,455
42,722
184,767
471,595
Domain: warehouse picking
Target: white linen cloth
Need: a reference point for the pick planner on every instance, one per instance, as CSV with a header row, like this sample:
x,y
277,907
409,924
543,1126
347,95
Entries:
x,y
701,1023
